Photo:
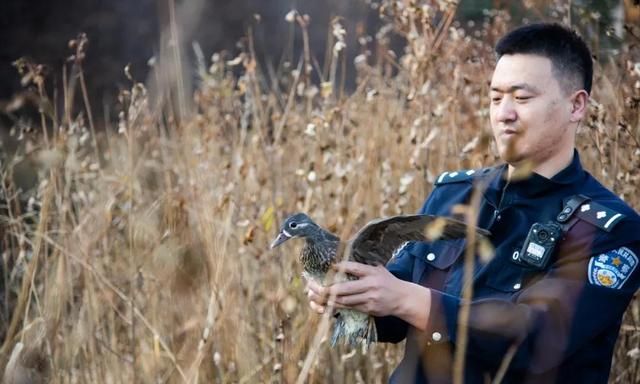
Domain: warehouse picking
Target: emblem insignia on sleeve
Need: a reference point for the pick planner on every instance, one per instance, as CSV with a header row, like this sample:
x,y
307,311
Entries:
x,y
612,269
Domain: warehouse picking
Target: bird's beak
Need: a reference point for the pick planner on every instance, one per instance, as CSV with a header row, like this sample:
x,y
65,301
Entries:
x,y
282,237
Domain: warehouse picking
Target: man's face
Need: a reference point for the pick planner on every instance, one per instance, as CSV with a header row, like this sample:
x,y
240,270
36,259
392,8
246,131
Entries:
x,y
530,113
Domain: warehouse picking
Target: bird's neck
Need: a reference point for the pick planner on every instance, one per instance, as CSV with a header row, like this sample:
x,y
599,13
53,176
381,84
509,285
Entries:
x,y
319,252
328,236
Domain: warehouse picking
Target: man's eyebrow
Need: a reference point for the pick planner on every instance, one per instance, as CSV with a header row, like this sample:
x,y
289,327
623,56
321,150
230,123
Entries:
x,y
516,87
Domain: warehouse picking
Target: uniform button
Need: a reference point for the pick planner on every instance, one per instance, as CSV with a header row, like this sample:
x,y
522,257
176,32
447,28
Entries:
x,y
431,257
436,336
517,286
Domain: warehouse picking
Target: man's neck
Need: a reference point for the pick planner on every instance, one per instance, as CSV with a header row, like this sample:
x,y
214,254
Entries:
x,y
548,168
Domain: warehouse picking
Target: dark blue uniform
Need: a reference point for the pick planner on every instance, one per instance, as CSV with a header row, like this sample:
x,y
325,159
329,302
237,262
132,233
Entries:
x,y
562,319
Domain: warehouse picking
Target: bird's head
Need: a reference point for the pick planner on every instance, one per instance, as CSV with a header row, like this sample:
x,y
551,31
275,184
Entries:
x,y
296,225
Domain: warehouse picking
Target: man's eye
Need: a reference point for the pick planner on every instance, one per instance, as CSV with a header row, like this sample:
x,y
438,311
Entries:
x,y
496,99
522,98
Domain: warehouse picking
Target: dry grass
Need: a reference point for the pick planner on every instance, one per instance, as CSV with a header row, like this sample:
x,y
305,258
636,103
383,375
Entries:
x,y
146,260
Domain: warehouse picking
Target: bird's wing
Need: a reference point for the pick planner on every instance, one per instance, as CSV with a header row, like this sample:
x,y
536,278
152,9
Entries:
x,y
375,243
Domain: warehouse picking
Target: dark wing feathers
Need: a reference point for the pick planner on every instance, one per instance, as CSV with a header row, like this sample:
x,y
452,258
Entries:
x,y
375,243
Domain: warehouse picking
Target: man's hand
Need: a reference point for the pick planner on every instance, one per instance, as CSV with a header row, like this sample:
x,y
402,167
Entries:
x,y
376,292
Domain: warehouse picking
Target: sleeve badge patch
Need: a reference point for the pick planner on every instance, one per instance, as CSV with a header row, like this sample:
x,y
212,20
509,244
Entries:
x,y
613,268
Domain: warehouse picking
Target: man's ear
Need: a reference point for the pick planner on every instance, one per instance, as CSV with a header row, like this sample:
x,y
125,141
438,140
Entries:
x,y
579,102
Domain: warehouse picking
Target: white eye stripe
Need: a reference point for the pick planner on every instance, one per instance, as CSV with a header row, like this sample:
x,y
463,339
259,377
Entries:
x,y
294,225
284,232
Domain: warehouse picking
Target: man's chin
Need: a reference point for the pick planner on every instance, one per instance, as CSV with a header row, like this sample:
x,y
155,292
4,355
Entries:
x,y
512,157
509,149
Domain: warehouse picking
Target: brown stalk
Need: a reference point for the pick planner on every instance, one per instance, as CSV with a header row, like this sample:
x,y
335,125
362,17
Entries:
x,y
29,278
471,215
43,121
304,26
504,365
287,109
177,61
443,27
87,107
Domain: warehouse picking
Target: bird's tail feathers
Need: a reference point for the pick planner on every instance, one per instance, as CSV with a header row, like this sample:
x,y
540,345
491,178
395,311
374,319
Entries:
x,y
351,333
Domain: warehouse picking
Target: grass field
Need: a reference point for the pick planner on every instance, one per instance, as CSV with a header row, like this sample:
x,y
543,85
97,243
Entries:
x,y
142,253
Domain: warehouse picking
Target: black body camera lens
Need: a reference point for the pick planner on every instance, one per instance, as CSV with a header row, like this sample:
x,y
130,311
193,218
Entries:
x,y
543,235
540,245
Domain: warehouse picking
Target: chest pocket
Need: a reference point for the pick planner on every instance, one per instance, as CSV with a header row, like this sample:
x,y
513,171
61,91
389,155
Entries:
x,y
440,255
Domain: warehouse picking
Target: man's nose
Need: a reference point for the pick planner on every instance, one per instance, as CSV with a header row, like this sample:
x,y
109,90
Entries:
x,y
505,111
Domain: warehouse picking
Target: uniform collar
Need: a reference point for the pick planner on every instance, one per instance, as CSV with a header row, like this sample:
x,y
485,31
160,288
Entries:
x,y
534,185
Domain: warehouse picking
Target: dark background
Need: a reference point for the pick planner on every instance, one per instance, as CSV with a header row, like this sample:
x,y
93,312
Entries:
x,y
128,31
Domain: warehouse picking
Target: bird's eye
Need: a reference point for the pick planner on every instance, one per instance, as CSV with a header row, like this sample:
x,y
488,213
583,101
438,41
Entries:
x,y
293,225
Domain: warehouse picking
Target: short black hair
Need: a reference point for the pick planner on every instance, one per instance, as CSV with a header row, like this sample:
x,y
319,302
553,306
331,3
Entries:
x,y
569,54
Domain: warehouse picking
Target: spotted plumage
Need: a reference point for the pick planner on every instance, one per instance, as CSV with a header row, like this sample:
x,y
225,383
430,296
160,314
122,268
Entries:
x,y
374,244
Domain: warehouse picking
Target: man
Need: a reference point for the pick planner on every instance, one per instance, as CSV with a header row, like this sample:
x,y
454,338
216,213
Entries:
x,y
549,304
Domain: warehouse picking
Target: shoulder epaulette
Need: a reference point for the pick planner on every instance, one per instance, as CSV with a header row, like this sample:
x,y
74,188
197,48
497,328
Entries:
x,y
598,215
459,176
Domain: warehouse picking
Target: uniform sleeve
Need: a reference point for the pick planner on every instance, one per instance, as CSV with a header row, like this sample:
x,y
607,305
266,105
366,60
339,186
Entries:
x,y
573,303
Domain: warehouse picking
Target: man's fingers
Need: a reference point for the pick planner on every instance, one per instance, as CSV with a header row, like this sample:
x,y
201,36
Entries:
x,y
317,298
316,288
354,268
351,300
350,287
312,285
316,307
